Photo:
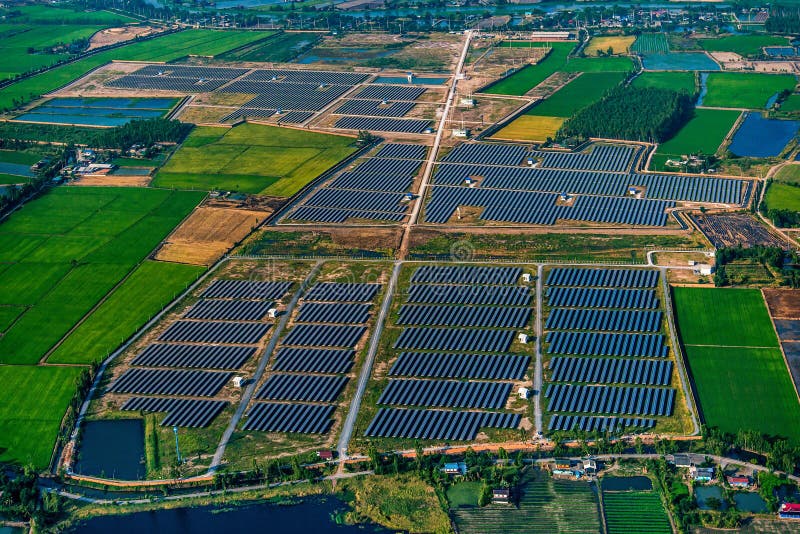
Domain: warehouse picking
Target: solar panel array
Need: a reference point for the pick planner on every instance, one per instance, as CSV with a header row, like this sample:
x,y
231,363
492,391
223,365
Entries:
x,y
390,92
297,94
307,374
597,183
374,108
184,79
191,413
417,126
190,353
607,322
376,189
461,364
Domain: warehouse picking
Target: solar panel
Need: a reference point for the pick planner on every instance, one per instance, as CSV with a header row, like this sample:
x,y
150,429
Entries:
x,y
436,424
455,339
342,292
604,320
297,418
383,125
170,382
194,356
442,365
477,295
189,413
436,274
215,332
402,150
482,316
302,387
313,360
634,278
316,335
601,424
610,399
650,345
230,310
246,289
390,92
611,371
374,108
602,298
316,312
449,393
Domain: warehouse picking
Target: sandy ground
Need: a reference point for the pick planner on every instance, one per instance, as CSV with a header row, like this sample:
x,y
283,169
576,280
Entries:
x,y
114,181
117,35
208,233
732,61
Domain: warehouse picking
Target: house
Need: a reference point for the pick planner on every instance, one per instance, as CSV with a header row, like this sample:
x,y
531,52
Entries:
x,y
501,495
325,455
455,468
739,482
789,510
523,392
589,466
682,460
702,474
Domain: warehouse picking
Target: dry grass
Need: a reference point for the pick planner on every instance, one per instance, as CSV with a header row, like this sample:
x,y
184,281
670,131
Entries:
x,y
208,233
114,181
620,44
530,128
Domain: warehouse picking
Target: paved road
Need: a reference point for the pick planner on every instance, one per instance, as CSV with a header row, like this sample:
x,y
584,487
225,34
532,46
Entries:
x,y
366,369
248,392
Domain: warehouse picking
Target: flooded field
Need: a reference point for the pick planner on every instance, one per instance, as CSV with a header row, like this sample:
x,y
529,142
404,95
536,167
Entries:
x,y
758,137
679,61
104,112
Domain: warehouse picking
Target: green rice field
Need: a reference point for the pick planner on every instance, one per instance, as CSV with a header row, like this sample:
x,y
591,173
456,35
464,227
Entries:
x,y
149,288
529,77
545,506
280,48
599,64
632,512
577,94
234,159
791,104
744,45
703,134
164,48
734,359
782,196
33,402
64,252
675,81
651,43
744,90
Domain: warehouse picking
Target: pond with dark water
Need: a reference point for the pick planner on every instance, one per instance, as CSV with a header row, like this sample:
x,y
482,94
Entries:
x,y
758,137
112,449
703,494
750,502
312,515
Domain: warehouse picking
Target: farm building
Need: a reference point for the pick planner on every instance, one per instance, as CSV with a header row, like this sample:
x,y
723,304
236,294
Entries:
x,y
682,460
455,468
739,482
789,510
501,495
325,455
702,474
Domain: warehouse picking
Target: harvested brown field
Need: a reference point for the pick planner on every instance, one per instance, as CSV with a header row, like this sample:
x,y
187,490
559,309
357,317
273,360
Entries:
x,y
114,181
783,303
208,233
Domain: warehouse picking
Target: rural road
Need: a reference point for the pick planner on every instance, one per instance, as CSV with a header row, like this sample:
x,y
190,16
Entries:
x,y
537,379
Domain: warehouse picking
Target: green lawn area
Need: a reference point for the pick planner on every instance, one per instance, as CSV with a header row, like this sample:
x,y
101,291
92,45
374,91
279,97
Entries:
x,y
252,158
735,360
703,134
63,252
31,410
149,288
464,494
676,81
724,317
744,45
579,93
781,196
165,48
792,103
529,77
744,90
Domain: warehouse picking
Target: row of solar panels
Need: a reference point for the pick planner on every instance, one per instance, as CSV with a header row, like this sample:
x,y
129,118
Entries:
x,y
632,278
644,345
374,108
610,400
611,371
446,393
436,424
579,297
602,424
189,413
604,320
443,365
475,316
470,294
455,339
463,274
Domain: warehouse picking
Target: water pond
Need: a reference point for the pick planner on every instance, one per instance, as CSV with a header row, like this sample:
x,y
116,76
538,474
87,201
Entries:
x,y
679,61
112,449
703,493
780,51
750,502
97,111
758,137
309,515
16,169
626,483
11,530
132,171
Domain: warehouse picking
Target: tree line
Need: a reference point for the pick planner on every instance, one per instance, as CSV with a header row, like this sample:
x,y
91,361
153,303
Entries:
x,y
631,113
783,19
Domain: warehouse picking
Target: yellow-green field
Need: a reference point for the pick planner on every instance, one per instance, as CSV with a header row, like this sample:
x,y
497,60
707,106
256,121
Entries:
x,y
619,44
530,128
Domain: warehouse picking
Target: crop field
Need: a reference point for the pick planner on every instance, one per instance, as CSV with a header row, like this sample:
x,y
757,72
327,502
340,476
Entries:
x,y
277,48
619,44
635,511
579,93
545,506
66,250
781,196
734,357
530,128
651,43
745,90
744,45
234,159
529,77
598,64
791,104
703,134
789,174
149,288
675,81
164,48
34,401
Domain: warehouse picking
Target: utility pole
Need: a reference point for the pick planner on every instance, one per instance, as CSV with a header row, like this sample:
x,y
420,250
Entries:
x,y
177,446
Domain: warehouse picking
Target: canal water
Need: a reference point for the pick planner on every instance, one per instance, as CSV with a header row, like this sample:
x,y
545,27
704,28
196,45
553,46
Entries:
x,y
312,515
112,449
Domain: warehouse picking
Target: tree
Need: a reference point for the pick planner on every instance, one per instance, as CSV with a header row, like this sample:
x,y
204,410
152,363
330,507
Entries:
x,y
486,495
